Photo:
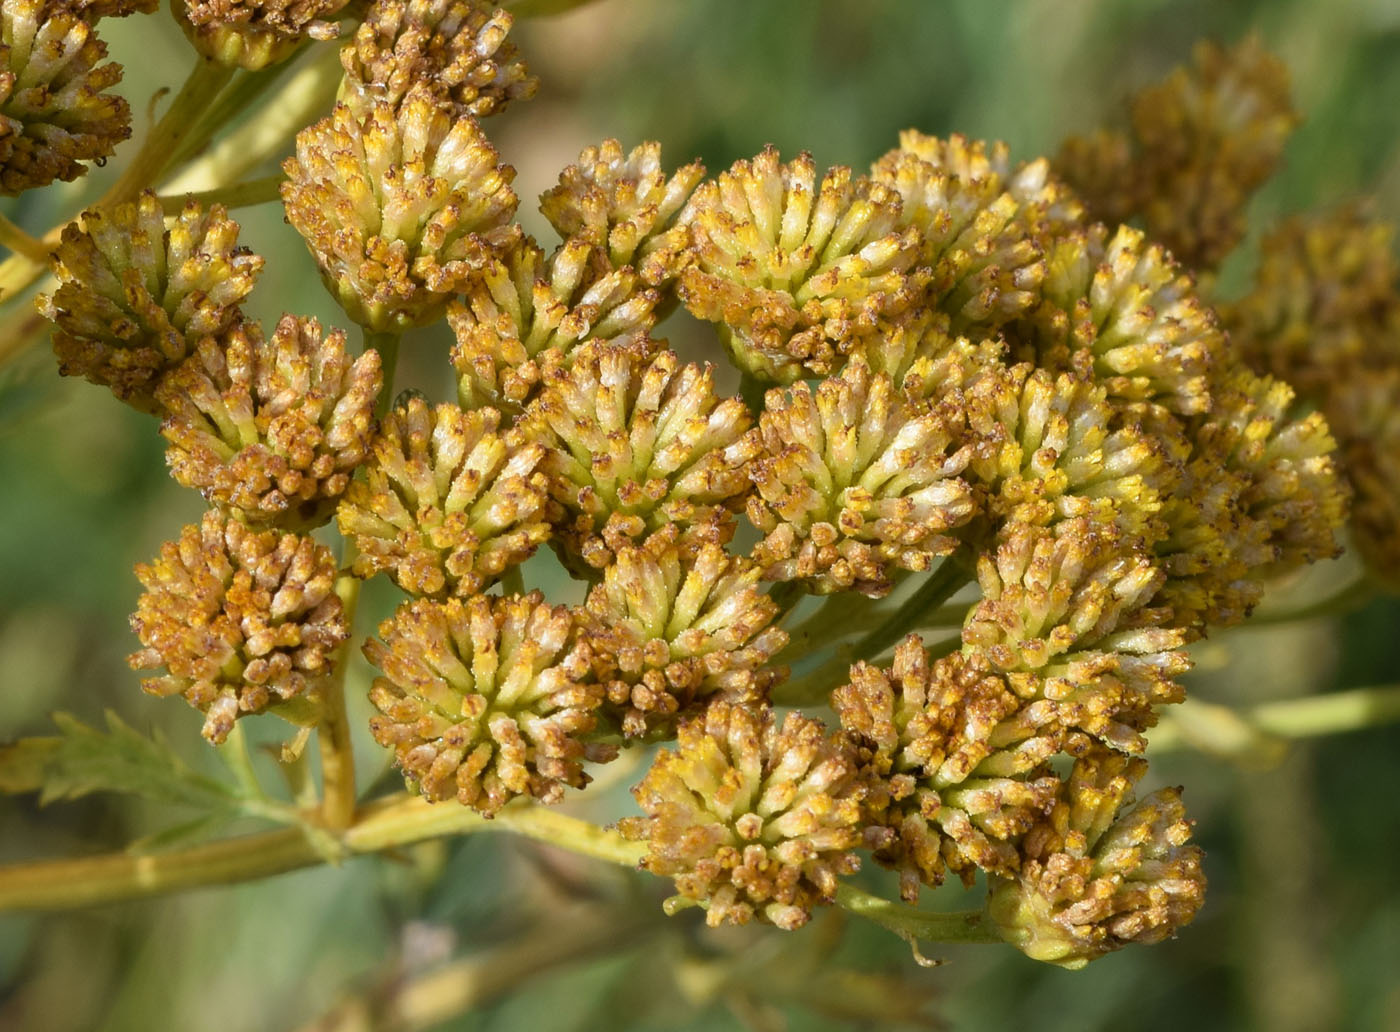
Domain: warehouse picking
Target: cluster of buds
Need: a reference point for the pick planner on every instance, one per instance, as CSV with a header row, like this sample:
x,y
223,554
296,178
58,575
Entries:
x,y
988,404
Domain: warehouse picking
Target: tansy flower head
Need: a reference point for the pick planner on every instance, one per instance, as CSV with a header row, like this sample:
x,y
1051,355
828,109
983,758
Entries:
x,y
952,784
448,504
755,820
240,620
1100,873
626,205
252,34
457,48
796,272
636,444
671,630
135,298
855,481
400,206
523,316
485,699
274,428
54,111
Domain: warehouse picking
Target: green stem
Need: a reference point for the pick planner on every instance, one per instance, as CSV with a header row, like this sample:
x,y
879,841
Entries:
x,y
21,243
513,582
967,926
1244,732
387,344
242,93
752,391
786,594
941,585
234,753
200,88
246,194
1351,597
400,821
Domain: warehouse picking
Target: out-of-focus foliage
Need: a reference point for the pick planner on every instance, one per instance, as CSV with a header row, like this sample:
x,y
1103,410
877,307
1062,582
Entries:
x,y
1303,920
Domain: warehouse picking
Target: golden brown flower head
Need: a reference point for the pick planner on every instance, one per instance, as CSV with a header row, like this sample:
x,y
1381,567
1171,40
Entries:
x,y
795,272
457,48
448,504
1066,614
1051,449
240,620
54,111
627,206
274,428
485,698
523,317
1096,875
754,820
952,784
855,481
671,630
1366,418
400,207
1325,307
636,443
252,34
1120,310
980,223
135,298
1203,140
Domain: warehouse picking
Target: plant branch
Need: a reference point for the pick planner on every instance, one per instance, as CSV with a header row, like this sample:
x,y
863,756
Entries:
x,y
1227,731
967,926
21,243
941,585
246,194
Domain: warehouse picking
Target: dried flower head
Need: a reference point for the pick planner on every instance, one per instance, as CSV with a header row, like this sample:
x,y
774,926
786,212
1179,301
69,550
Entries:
x,y
1066,614
795,272
1051,449
274,428
671,630
754,820
1366,419
636,443
448,504
854,481
240,620
252,34
953,784
400,207
627,206
134,298
1121,310
1097,875
980,223
54,111
457,48
485,699
1203,140
523,317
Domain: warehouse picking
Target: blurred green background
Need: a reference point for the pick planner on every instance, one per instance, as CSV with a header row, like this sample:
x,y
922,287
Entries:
x,y
1302,926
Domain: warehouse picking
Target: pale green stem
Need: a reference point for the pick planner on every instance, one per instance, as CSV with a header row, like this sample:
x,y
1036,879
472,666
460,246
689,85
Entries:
x,y
752,391
966,926
246,194
1228,731
1352,596
387,344
205,81
938,587
21,243
241,94
513,581
786,594
234,753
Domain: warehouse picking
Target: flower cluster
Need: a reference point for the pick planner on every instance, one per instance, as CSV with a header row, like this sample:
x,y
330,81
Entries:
x,y
993,464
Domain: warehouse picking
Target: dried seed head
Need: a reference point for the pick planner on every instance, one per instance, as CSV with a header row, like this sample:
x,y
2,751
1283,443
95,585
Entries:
x,y
753,820
855,481
274,428
796,273
637,443
240,620
54,111
447,504
1051,449
1096,875
400,207
627,206
670,631
252,34
135,298
952,783
523,317
980,222
1067,615
457,48
1121,310
485,699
